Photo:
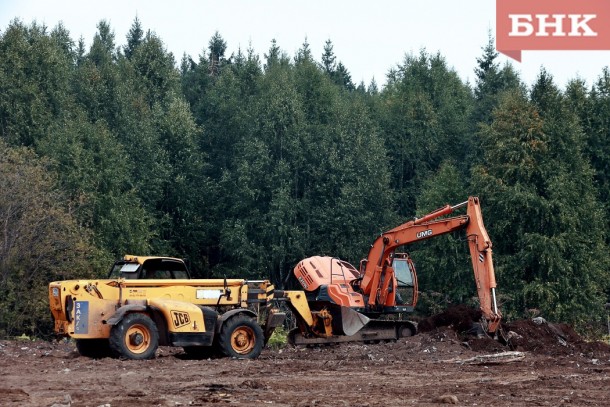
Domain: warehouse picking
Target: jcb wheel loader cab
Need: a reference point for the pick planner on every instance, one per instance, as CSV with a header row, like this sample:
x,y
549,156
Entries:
x,y
241,337
135,337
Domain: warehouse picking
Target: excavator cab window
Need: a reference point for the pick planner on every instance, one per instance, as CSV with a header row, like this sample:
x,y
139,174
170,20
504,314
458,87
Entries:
x,y
403,272
406,292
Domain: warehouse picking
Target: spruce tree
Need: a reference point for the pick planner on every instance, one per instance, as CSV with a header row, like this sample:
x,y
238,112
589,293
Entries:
x,y
328,58
135,36
217,47
491,81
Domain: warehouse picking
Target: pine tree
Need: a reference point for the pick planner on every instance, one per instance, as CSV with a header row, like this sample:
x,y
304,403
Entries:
x,y
96,175
304,53
373,89
155,71
217,47
102,50
328,58
135,37
35,75
61,36
273,57
491,82
80,51
97,82
343,78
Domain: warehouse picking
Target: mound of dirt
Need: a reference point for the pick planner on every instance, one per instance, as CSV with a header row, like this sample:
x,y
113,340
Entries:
x,y
538,335
551,339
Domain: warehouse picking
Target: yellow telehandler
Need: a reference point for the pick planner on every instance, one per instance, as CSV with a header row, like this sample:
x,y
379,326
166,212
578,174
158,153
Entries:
x,y
150,301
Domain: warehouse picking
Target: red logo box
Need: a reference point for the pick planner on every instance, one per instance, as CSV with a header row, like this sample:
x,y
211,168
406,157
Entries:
x,y
551,25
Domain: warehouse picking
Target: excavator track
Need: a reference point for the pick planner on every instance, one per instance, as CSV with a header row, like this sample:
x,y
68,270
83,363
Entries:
x,y
374,331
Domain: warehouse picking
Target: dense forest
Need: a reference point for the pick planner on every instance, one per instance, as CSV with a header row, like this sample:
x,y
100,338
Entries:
x,y
245,164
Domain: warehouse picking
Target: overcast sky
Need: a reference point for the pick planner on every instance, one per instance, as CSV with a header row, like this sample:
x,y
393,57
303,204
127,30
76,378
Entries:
x,y
369,37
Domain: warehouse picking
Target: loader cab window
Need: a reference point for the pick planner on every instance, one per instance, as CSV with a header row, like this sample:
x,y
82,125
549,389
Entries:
x,y
124,270
151,269
181,274
154,273
164,269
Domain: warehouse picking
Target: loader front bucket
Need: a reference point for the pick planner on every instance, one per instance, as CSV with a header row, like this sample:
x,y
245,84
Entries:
x,y
352,321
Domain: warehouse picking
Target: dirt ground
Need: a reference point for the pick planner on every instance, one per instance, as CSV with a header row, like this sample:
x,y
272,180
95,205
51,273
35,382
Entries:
x,y
547,365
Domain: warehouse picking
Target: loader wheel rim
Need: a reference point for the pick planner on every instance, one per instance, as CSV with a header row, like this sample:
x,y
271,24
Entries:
x,y
137,338
243,340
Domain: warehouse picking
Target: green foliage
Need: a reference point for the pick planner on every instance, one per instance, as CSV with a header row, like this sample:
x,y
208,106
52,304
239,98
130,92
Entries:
x,y
41,242
217,47
34,81
491,82
593,109
134,38
538,190
425,121
155,76
445,258
95,172
278,339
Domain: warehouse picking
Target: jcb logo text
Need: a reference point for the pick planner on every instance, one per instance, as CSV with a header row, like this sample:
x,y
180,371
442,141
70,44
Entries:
x,y
180,318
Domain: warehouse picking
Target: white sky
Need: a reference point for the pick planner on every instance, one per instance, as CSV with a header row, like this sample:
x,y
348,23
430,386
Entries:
x,y
369,37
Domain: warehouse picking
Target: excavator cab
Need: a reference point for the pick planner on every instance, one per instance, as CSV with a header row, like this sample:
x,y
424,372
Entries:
x,y
406,279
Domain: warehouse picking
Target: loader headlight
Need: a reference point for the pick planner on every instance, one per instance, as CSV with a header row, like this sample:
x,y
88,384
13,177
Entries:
x,y
55,292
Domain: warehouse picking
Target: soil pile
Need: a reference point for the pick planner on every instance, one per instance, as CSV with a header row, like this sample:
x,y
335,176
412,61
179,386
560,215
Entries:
x,y
546,338
535,335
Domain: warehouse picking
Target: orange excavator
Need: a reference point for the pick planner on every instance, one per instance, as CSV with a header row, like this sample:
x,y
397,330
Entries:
x,y
341,304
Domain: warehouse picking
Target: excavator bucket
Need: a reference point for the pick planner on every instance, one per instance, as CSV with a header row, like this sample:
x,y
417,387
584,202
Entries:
x,y
352,321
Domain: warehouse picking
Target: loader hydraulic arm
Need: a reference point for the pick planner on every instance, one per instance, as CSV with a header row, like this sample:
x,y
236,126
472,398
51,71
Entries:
x,y
378,279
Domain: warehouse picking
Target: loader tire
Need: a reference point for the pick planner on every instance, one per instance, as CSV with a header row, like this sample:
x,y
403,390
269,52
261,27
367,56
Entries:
x,y
93,348
135,337
241,337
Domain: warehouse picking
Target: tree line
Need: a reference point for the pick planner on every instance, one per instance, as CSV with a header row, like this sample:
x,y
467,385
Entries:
x,y
245,164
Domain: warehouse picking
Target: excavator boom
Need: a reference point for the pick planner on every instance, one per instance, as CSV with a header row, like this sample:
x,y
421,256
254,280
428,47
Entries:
x,y
378,279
